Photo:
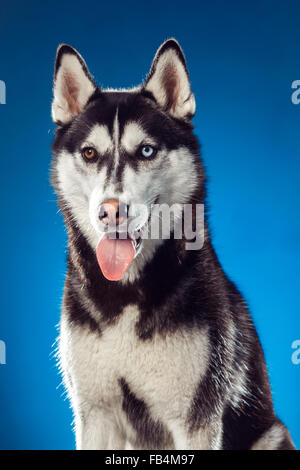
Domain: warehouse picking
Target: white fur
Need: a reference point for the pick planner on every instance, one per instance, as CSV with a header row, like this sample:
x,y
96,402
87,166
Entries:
x,y
77,190
70,72
133,89
271,439
100,139
133,136
116,136
164,372
185,103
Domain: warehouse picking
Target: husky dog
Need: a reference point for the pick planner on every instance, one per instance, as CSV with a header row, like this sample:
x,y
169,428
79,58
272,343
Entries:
x,y
157,347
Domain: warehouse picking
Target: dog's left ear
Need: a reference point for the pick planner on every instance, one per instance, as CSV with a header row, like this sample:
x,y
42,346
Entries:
x,y
169,82
73,85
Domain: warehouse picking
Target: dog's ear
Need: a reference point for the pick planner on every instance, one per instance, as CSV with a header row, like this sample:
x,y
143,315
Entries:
x,y
169,82
73,85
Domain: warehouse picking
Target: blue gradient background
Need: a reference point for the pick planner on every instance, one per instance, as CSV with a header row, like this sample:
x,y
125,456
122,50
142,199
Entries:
x,y
242,57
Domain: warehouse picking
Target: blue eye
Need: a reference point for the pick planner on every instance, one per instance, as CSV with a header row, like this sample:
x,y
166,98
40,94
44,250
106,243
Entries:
x,y
147,151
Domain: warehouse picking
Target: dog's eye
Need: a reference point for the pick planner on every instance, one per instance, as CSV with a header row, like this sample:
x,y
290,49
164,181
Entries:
x,y
147,151
89,153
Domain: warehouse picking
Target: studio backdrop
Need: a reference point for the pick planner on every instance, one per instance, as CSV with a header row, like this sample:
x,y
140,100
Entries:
x,y
244,64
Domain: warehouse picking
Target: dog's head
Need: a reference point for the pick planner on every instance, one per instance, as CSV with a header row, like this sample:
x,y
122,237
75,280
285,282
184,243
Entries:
x,y
118,152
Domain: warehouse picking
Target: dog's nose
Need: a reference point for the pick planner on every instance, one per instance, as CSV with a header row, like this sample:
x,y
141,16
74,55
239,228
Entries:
x,y
113,212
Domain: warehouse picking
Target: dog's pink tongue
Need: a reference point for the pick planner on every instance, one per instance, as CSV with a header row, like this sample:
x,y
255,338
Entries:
x,y
114,257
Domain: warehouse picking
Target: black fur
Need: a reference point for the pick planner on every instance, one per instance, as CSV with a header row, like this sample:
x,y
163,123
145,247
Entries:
x,y
152,434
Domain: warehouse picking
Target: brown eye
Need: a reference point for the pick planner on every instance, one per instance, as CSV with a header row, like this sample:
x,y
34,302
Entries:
x,y
89,153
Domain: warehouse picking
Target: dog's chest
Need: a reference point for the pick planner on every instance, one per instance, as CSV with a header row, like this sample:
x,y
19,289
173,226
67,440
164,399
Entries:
x,y
158,370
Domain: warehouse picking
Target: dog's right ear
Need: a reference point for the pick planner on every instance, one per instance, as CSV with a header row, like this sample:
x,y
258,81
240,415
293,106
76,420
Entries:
x,y
73,85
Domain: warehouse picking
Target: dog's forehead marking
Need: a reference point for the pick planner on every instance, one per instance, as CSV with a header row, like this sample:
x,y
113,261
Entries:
x,y
99,138
134,135
116,132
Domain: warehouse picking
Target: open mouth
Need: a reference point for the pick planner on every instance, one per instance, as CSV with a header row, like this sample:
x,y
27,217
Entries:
x,y
116,250
115,253
135,238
